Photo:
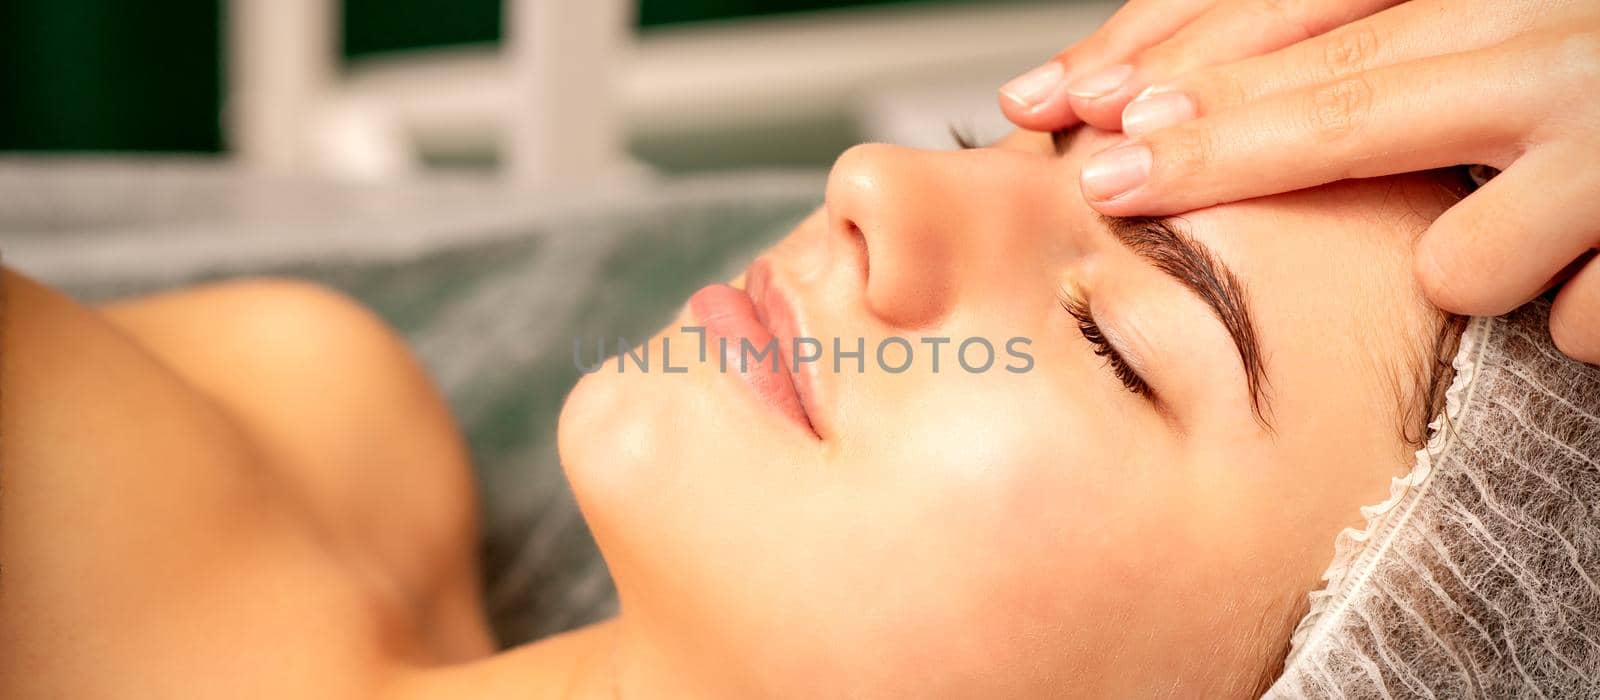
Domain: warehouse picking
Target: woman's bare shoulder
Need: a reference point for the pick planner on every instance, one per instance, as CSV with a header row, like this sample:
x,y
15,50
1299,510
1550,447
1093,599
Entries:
x,y
142,552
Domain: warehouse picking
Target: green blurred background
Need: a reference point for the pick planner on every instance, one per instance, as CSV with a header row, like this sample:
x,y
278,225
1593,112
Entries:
x,y
114,75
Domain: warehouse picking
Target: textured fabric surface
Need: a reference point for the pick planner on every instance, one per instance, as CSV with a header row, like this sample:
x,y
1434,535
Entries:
x,y
1478,577
489,286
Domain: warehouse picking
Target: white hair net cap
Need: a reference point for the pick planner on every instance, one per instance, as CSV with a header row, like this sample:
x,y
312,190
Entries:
x,y
1478,576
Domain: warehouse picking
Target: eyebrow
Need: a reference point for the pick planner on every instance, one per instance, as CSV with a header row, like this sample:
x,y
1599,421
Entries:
x,y
1160,242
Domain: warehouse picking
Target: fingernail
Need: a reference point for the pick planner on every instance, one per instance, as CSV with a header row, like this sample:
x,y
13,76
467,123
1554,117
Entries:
x,y
1115,172
1035,86
1101,82
1159,111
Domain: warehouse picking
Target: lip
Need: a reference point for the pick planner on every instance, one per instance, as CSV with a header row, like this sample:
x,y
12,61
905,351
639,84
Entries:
x,y
759,314
775,310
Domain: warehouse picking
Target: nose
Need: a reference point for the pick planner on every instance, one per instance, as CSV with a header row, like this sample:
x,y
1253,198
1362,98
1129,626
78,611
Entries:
x,y
878,200
923,227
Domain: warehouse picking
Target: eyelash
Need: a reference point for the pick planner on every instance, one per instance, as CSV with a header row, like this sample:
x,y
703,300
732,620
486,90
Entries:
x,y
1124,373
962,135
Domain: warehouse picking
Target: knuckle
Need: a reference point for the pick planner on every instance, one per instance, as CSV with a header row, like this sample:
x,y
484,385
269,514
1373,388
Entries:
x,y
1181,153
1216,90
1290,14
1276,8
1339,110
1350,52
1163,61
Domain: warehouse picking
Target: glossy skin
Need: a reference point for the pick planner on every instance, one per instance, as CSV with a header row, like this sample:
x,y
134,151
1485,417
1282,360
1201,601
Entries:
x,y
1003,534
250,489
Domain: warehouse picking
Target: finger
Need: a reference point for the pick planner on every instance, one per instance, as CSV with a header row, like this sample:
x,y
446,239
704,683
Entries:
x,y
1412,116
1408,32
1575,316
1499,247
1566,273
1230,31
1037,99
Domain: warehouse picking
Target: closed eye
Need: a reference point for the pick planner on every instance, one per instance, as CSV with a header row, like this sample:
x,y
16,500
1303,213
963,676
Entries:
x,y
1079,311
1183,258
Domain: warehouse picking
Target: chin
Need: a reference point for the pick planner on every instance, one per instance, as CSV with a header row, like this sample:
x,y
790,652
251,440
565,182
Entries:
x,y
601,435
616,427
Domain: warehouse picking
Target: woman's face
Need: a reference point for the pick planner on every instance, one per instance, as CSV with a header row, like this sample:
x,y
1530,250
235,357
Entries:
x,y
1039,532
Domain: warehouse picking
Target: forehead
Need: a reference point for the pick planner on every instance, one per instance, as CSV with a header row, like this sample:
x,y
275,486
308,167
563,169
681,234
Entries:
x,y
1329,274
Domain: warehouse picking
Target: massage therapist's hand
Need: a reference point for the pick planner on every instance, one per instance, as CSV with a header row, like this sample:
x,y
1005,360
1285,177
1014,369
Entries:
x,y
1242,98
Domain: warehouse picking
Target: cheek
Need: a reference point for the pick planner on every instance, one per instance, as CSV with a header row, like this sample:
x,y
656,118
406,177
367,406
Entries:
x,y
1026,530
1045,442
1020,488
